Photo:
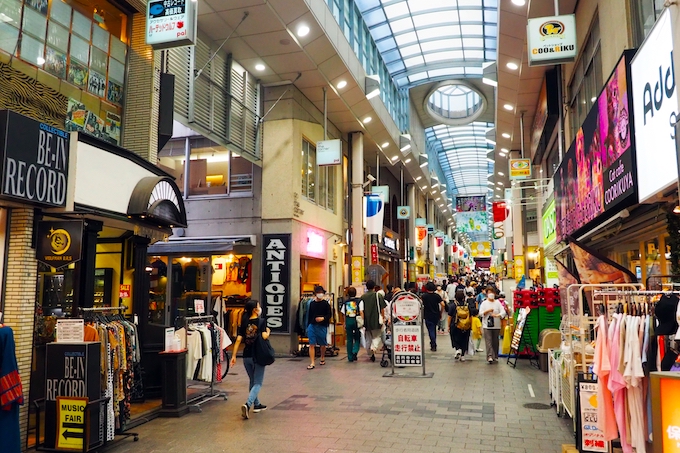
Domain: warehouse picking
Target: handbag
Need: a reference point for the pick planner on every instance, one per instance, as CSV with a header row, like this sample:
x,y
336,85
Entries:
x,y
490,322
360,321
263,352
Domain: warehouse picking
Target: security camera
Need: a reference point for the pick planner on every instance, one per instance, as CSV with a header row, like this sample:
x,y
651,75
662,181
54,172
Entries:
x,y
370,177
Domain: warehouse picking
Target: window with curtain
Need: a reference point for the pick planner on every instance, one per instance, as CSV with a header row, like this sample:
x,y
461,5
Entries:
x,y
645,13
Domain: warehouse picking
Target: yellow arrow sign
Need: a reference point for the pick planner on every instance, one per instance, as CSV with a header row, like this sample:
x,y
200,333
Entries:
x,y
71,423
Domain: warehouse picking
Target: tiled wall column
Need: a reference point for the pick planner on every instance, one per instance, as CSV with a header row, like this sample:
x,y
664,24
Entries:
x,y
142,94
20,284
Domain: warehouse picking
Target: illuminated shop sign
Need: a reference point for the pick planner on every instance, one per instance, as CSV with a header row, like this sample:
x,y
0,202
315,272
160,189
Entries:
x,y
171,23
276,281
551,40
314,242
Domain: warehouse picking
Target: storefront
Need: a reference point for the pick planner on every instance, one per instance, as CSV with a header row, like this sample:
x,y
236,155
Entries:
x,y
79,233
389,256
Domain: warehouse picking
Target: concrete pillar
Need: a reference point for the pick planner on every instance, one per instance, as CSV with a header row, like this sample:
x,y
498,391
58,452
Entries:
x,y
19,314
518,232
357,194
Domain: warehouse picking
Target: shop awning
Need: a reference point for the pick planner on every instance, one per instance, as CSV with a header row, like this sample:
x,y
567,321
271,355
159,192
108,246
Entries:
x,y
212,245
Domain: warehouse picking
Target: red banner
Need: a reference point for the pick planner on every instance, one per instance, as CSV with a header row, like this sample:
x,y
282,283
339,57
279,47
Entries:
x,y
500,211
374,253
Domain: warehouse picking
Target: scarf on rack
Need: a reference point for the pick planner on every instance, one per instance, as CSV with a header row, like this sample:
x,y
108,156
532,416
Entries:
x,y
10,383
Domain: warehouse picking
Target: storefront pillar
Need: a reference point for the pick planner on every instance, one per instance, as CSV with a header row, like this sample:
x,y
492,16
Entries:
x,y
19,304
83,286
140,297
357,194
643,262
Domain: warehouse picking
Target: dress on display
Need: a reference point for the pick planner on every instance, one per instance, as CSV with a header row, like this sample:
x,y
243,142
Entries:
x,y
11,394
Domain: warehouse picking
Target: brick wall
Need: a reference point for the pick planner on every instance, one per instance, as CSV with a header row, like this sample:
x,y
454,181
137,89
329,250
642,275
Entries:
x,y
20,284
142,98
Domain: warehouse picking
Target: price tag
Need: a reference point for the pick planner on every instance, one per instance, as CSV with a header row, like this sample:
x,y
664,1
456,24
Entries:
x,y
199,306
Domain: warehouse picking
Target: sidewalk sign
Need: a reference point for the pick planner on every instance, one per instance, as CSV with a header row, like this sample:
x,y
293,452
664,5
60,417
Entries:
x,y
406,322
71,423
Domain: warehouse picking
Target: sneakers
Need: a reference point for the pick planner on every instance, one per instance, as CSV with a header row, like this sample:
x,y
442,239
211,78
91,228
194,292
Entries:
x,y
259,408
490,360
458,353
245,411
462,359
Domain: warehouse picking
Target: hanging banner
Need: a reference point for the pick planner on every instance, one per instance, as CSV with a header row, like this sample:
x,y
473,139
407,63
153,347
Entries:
x,y
519,169
549,224
551,40
328,152
357,270
171,23
374,212
472,222
59,242
276,295
596,269
476,203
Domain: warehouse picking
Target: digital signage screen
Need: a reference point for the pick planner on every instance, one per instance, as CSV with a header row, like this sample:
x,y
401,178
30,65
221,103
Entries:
x,y
597,173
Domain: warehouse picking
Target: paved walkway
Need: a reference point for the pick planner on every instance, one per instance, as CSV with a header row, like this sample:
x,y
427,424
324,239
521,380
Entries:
x,y
350,407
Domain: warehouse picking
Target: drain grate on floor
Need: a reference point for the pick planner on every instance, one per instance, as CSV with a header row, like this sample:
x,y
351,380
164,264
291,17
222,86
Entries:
x,y
537,406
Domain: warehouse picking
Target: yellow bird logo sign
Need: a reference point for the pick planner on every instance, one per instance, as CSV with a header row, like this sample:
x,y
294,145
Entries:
x,y
552,29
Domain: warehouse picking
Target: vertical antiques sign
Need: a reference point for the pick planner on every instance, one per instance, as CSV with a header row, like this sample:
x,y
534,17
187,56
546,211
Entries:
x,y
276,281
59,242
35,160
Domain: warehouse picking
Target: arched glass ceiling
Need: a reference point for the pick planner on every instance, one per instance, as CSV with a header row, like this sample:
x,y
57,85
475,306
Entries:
x,y
462,153
428,40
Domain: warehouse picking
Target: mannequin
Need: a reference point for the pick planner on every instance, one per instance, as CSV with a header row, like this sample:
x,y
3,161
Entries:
x,y
666,314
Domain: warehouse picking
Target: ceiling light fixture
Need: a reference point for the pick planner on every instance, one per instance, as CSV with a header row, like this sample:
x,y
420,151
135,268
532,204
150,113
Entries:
x,y
341,84
593,99
512,66
504,150
386,144
418,178
302,31
407,160
500,173
367,120
395,158
508,107
259,67
505,135
372,86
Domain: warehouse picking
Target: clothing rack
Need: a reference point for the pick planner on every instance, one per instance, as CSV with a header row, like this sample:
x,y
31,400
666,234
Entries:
x,y
195,402
119,308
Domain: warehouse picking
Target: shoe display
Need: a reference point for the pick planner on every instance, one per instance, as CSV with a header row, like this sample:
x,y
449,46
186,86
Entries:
x,y
245,411
259,408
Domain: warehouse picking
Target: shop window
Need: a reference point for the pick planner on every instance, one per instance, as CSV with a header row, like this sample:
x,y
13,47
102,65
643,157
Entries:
x,y
213,169
158,288
318,183
587,79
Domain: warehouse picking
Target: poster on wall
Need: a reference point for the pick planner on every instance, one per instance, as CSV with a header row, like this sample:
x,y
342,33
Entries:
x,y
75,115
596,175
55,63
276,295
114,93
94,125
565,279
112,130
466,204
97,84
594,268
77,74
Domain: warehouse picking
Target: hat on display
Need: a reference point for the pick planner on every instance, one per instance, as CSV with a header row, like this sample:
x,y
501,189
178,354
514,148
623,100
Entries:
x,y
319,289
665,312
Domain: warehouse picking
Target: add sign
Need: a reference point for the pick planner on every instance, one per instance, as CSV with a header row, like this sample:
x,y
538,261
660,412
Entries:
x,y
70,423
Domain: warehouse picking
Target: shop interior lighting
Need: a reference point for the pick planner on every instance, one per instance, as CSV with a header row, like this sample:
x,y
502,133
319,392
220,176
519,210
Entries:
x,y
259,67
407,160
500,173
367,120
508,107
418,178
404,142
505,135
395,158
385,145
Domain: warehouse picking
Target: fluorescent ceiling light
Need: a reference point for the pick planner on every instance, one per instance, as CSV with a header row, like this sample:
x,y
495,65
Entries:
x,y
395,158
407,160
302,31
419,178
386,144
491,82
367,120
424,187
508,107
259,67
438,198
504,150
505,135
372,85
501,173
341,84
512,65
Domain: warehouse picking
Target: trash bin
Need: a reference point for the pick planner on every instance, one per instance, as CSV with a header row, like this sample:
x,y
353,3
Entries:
x,y
547,339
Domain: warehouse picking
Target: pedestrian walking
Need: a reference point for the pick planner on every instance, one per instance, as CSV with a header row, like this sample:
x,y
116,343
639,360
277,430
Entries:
x,y
441,326
353,310
319,315
433,306
250,328
492,312
374,319
461,314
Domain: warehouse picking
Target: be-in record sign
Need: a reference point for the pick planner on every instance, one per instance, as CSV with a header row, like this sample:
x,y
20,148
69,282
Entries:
x,y
71,423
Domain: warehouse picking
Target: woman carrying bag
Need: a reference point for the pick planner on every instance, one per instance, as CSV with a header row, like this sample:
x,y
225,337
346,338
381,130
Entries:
x,y
254,333
461,313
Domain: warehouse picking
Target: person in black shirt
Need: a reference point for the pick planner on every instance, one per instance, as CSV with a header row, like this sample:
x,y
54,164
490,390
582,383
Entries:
x,y
434,307
251,326
319,316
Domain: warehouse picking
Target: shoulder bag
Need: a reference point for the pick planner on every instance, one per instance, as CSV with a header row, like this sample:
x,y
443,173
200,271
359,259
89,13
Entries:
x,y
381,319
263,352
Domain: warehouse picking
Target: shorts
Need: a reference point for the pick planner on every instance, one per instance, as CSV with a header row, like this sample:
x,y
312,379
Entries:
x,y
317,334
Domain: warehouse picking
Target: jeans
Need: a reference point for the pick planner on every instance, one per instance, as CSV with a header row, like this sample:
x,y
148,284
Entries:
x,y
353,338
256,375
432,331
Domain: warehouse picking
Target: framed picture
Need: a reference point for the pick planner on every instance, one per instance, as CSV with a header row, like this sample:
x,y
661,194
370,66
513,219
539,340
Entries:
x,y
113,128
55,63
77,74
75,115
114,93
96,84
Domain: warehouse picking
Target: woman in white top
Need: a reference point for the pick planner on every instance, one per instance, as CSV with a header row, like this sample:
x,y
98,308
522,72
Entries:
x,y
492,313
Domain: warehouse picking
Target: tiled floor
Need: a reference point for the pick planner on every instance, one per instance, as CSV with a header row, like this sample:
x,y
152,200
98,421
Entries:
x,y
350,407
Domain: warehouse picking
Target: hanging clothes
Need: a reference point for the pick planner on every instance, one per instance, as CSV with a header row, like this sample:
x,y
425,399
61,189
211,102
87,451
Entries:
x,y
11,393
606,421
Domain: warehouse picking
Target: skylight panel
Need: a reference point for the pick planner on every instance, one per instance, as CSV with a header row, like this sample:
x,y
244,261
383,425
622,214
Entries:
x,y
401,25
470,15
425,5
374,17
438,33
415,61
406,39
433,46
396,10
409,51
386,44
430,19
382,31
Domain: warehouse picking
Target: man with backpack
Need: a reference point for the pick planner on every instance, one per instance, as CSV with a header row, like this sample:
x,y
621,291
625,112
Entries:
x,y
461,313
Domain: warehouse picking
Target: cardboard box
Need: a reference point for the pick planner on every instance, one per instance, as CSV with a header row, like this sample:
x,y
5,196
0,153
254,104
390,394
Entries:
x,y
569,448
